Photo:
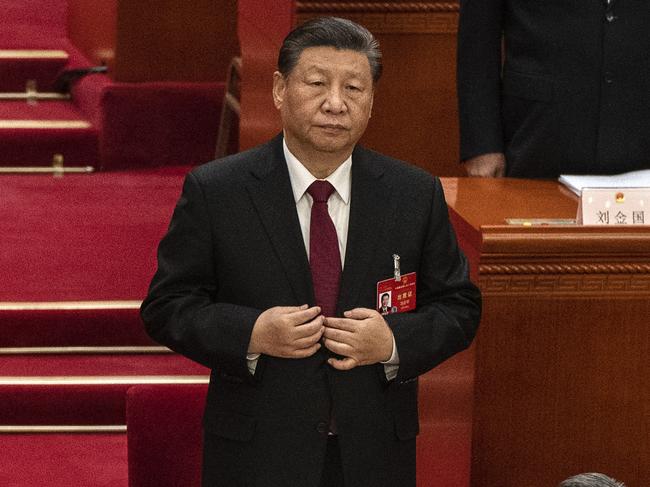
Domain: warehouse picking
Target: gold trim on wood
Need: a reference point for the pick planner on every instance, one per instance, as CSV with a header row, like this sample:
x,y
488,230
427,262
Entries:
x,y
434,22
377,7
91,380
51,428
564,269
44,124
67,305
83,350
619,285
33,54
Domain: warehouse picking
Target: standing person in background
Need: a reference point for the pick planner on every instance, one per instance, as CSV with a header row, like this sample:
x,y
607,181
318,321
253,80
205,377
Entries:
x,y
570,94
270,273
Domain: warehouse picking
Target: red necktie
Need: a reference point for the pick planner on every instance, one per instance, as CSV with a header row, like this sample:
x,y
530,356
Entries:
x,y
324,255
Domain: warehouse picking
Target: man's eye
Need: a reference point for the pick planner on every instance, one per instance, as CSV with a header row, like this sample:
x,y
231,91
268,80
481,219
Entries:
x,y
316,83
353,88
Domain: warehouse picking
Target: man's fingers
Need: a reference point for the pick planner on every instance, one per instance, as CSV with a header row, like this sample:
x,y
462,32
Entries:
x,y
346,324
303,315
343,364
305,352
309,328
338,348
337,335
359,313
308,341
290,309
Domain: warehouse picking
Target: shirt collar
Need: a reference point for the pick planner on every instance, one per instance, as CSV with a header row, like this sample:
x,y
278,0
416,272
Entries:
x,y
301,178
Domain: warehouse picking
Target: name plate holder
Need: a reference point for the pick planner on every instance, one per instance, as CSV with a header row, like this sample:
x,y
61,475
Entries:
x,y
614,206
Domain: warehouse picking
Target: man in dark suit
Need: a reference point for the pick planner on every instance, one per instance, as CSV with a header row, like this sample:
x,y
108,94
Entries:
x,y
572,95
273,285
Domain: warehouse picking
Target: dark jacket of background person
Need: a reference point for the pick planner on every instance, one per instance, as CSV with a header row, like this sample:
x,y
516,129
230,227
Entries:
x,y
573,95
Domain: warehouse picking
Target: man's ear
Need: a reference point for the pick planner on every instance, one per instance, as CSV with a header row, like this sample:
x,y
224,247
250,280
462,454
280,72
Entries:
x,y
279,87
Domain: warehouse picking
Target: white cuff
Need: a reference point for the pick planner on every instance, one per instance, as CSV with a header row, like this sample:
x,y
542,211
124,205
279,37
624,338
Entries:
x,y
251,359
391,366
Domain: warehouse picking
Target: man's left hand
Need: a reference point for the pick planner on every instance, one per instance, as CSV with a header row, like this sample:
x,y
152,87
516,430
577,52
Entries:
x,y
362,337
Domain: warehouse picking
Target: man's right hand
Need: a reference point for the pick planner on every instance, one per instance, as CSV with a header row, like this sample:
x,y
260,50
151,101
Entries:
x,y
491,165
287,332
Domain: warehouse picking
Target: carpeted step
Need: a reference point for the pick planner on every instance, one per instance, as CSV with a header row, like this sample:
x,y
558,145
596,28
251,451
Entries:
x,y
77,255
83,389
38,66
72,324
64,460
31,134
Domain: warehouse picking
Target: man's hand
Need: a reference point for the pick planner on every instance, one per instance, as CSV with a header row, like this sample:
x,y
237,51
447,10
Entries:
x,y
362,337
486,165
287,332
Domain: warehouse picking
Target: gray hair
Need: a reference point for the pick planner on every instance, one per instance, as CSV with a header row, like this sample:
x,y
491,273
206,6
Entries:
x,y
591,480
329,32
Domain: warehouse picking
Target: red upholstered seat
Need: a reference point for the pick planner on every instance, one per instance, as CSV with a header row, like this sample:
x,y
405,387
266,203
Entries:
x,y
164,435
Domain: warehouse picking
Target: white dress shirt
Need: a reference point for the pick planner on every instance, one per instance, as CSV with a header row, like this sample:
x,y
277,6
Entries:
x,y
338,207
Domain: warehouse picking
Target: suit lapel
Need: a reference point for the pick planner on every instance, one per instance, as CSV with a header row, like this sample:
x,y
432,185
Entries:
x,y
270,191
371,214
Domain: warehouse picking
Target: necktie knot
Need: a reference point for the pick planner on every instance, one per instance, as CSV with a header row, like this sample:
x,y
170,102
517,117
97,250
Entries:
x,y
320,190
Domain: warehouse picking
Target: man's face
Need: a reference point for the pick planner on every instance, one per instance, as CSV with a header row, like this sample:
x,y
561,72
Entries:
x,y
325,102
384,301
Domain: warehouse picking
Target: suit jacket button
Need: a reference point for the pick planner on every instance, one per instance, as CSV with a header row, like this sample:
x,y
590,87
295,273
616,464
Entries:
x,y
322,427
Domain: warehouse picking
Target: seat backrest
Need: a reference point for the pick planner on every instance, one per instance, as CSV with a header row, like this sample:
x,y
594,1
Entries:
x,y
164,430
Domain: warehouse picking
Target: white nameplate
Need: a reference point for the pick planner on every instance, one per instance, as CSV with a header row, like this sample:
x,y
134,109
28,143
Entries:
x,y
614,206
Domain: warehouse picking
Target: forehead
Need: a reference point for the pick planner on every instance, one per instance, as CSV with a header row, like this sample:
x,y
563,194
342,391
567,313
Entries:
x,y
331,60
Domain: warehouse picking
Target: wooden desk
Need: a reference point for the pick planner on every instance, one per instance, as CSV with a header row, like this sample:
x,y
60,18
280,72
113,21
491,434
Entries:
x,y
563,352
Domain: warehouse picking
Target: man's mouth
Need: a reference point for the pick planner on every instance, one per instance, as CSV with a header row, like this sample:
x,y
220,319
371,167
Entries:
x,y
333,127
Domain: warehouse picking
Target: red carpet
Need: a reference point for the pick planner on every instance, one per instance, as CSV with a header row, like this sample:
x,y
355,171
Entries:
x,y
63,460
15,72
83,237
82,389
78,144
72,328
98,365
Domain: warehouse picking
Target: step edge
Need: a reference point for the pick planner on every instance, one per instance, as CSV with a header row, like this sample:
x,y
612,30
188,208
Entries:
x,y
33,54
56,428
103,380
44,124
69,305
86,350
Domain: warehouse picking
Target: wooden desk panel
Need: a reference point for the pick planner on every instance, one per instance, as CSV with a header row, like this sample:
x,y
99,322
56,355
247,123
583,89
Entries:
x,y
562,356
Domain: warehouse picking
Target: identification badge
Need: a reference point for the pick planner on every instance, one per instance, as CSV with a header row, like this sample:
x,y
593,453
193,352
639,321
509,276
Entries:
x,y
396,295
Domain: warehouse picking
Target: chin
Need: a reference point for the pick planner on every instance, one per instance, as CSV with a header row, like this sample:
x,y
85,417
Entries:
x,y
329,145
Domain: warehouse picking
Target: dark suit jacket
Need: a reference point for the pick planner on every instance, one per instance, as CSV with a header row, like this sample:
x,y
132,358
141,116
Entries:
x,y
574,93
234,248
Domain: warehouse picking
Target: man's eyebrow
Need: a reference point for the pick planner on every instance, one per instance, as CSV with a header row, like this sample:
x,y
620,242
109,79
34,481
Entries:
x,y
352,73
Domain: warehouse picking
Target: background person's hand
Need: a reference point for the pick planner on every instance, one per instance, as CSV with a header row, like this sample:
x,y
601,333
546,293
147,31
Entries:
x,y
491,165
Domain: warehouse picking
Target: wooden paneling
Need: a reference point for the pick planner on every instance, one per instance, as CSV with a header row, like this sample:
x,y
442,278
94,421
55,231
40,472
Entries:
x,y
562,351
168,40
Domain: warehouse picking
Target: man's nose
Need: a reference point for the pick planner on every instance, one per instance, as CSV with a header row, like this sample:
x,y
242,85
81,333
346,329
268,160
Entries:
x,y
334,102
